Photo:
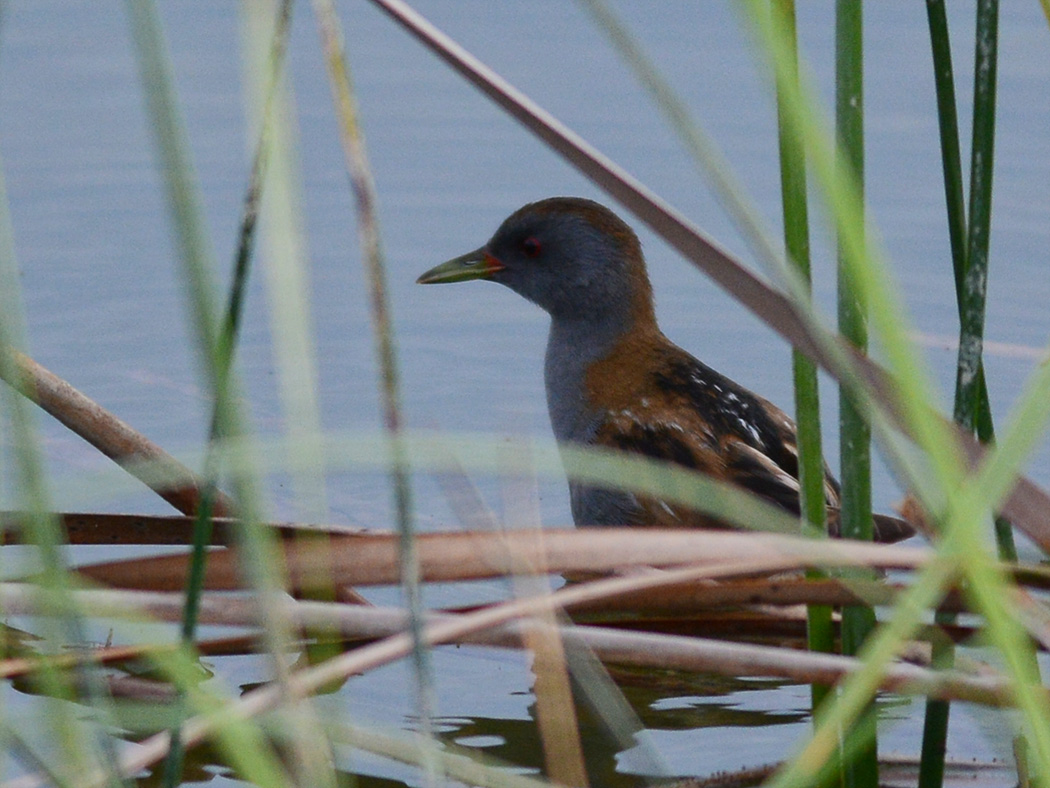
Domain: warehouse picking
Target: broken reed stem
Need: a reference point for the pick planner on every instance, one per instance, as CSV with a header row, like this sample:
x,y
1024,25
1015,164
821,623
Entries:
x,y
104,528
113,437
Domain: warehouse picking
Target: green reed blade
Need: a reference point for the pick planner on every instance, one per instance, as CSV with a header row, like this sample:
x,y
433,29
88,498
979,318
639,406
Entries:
x,y
975,263
935,723
861,771
229,328
855,437
971,408
820,633
955,201
257,550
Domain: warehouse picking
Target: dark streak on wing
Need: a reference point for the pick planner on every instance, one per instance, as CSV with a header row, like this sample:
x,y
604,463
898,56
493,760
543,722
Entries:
x,y
655,441
727,407
756,473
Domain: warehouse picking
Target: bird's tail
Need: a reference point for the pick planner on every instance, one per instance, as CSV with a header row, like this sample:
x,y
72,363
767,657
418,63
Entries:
x,y
888,529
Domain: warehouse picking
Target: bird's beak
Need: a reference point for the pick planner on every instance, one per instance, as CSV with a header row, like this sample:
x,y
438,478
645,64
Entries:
x,y
479,264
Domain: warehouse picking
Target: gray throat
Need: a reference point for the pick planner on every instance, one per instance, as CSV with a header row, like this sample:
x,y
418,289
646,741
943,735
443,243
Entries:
x,y
572,346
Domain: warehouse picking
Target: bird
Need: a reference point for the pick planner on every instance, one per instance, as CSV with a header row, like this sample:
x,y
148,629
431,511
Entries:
x,y
614,380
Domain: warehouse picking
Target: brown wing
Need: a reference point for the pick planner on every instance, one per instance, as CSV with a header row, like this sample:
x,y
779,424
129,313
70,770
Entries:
x,y
659,442
729,460
755,441
681,411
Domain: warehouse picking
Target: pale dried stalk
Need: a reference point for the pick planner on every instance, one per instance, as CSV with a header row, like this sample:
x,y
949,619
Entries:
x,y
372,559
556,717
16,667
129,448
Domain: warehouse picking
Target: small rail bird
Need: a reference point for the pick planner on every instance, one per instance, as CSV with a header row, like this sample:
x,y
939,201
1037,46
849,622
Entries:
x,y
614,380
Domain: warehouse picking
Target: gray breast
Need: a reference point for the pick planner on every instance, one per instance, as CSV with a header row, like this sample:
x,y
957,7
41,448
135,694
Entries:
x,y
571,348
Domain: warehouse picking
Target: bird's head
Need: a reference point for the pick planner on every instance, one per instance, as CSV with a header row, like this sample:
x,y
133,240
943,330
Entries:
x,y
573,257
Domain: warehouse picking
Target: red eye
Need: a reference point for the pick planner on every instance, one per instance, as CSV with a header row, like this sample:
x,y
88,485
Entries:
x,y
531,247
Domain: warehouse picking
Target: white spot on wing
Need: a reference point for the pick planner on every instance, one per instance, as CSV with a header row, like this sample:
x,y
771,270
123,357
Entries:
x,y
750,429
669,510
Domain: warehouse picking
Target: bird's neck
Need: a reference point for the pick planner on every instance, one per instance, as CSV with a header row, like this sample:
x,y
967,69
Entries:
x,y
573,347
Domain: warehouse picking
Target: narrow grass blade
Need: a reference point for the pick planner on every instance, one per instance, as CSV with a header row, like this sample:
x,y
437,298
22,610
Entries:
x,y
276,170
258,557
363,188
703,150
198,262
228,333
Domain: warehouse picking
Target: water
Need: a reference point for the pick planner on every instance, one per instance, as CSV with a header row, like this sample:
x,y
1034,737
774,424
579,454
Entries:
x,y
105,308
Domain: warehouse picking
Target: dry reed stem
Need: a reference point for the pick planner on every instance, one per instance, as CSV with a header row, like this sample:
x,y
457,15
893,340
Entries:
x,y
372,559
103,528
129,448
16,667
